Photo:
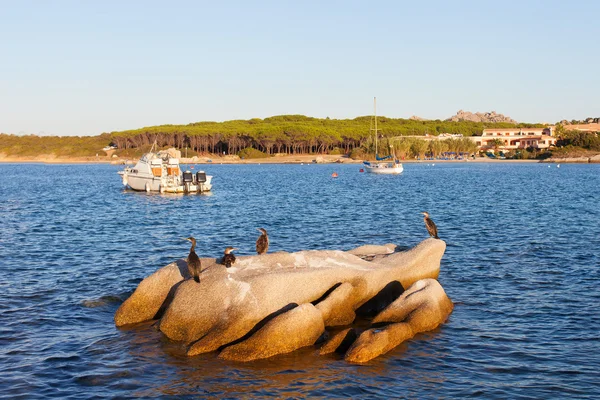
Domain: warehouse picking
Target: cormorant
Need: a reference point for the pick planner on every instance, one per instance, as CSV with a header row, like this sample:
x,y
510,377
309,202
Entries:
x,y
430,225
229,257
193,261
262,243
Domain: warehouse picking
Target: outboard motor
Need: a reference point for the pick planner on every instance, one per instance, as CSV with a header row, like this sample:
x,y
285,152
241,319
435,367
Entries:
x,y
200,176
188,177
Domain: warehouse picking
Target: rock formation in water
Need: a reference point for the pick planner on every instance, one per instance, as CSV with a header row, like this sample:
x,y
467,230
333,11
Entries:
x,y
480,117
276,303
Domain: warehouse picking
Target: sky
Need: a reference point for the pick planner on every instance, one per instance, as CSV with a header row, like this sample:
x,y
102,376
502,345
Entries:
x,y
88,67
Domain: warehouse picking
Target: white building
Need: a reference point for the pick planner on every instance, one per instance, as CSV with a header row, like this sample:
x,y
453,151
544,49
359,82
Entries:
x,y
515,138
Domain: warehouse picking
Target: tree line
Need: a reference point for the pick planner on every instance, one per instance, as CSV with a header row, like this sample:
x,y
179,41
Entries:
x,y
291,134
63,146
412,147
573,138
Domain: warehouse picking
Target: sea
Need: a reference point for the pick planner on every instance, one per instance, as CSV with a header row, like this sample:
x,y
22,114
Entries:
x,y
522,266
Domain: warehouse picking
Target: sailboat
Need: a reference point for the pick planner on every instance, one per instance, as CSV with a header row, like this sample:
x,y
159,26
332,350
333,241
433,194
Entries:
x,y
381,166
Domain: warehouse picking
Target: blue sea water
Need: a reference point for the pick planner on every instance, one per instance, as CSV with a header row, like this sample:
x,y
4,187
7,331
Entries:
x,y
522,266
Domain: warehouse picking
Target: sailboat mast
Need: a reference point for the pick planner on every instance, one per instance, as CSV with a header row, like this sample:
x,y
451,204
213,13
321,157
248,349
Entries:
x,y
375,114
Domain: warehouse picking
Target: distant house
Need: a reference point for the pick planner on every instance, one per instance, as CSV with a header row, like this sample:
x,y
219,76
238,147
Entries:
x,y
444,136
516,138
429,138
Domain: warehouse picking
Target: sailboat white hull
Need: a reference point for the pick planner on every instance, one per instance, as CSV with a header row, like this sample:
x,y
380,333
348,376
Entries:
x,y
384,168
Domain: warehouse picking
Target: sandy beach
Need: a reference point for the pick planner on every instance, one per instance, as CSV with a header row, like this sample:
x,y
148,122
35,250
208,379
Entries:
x,y
291,159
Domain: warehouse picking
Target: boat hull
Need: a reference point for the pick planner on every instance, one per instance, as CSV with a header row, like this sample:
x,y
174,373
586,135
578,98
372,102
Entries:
x,y
148,183
187,188
142,183
384,169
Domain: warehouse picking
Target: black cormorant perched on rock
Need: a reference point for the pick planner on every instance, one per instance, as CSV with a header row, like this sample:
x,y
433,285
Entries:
x,y
430,225
229,257
193,261
262,243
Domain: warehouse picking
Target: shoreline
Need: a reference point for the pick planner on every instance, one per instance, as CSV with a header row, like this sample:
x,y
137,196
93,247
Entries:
x,y
292,159
218,161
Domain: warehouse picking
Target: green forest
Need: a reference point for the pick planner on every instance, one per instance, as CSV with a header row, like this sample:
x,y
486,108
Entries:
x,y
287,134
60,146
290,134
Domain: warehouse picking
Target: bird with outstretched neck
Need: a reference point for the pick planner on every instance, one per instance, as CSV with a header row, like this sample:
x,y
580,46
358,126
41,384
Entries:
x,y
262,243
229,257
193,261
430,225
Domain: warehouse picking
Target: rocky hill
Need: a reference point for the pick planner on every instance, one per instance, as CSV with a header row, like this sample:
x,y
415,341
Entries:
x,y
480,117
590,120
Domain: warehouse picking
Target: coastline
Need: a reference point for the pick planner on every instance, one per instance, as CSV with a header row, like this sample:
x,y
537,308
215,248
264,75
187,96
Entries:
x,y
299,159
291,159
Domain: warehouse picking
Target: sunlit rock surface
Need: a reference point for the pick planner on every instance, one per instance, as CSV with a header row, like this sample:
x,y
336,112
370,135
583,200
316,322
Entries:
x,y
145,303
371,250
422,307
299,327
279,302
339,342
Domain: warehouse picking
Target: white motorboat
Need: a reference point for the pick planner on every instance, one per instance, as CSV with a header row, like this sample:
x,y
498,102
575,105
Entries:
x,y
160,172
392,167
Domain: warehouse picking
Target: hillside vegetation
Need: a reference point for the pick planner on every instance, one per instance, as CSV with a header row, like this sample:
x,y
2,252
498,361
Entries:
x,y
573,143
59,146
287,134
291,134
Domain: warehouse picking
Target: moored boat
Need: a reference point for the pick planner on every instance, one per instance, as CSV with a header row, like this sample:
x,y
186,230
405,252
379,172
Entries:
x,y
161,172
392,167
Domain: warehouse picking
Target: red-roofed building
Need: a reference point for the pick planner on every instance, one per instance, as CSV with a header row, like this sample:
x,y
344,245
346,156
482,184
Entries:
x,y
516,138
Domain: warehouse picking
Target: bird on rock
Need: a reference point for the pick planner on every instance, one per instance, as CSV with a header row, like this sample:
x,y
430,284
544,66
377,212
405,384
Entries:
x,y
229,257
193,261
430,225
262,243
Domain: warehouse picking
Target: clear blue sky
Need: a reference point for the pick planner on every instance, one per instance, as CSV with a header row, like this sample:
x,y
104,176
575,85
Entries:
x,y
87,67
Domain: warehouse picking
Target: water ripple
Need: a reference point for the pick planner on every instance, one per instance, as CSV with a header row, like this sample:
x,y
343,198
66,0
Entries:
x,y
522,273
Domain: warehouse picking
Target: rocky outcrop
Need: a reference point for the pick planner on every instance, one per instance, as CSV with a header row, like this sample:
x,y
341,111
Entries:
x,y
370,250
145,303
589,120
480,117
299,327
422,307
276,303
574,160
339,342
